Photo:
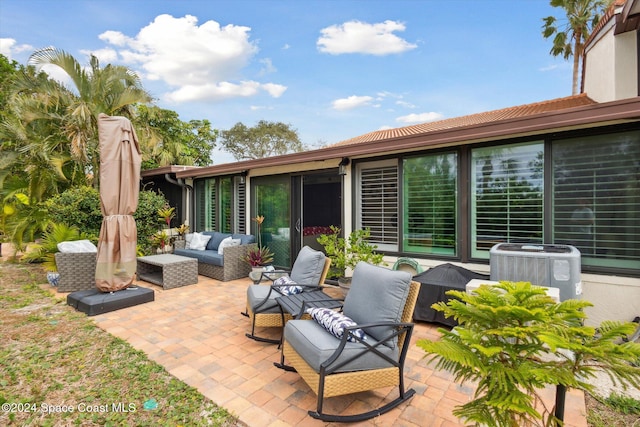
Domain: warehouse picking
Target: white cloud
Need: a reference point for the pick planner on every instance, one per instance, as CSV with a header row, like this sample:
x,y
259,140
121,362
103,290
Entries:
x,y
361,37
405,104
274,90
267,66
9,47
351,102
203,62
420,118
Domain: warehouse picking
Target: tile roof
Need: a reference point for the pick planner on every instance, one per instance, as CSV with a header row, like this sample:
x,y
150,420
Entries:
x,y
473,119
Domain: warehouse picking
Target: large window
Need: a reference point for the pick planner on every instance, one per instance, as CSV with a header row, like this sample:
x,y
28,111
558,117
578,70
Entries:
x,y
218,203
429,204
506,196
596,198
377,202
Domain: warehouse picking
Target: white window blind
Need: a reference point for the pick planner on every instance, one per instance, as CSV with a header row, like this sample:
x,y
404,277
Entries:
x,y
378,203
507,196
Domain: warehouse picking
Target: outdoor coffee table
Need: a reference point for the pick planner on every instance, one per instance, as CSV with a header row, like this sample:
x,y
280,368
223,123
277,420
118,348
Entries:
x,y
168,270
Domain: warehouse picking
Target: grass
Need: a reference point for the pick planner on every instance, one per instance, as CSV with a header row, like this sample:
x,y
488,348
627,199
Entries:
x,y
58,368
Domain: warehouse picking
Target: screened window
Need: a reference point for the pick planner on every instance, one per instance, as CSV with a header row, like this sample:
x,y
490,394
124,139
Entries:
x,y
506,196
429,204
378,202
596,198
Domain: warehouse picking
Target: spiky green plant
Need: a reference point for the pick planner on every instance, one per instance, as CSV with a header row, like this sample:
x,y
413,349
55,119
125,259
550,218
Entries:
x,y
513,340
45,250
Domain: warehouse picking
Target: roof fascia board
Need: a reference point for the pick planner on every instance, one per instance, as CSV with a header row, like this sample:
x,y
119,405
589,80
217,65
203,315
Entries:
x,y
614,112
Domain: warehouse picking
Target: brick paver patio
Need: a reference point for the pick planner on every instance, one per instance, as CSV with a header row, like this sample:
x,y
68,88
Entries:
x,y
198,334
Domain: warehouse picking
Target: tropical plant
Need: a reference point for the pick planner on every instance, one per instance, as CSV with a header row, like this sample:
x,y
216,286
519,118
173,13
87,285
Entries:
x,y
346,253
113,90
568,40
160,240
172,141
513,340
45,250
259,255
166,214
182,230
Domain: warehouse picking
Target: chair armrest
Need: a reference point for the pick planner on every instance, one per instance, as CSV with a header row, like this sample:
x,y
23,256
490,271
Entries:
x,y
400,328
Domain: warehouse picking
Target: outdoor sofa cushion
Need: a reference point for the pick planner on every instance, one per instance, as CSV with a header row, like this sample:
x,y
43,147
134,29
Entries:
x,y
206,257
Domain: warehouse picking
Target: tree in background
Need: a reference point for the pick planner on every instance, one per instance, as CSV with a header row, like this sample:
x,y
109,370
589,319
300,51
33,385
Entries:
x,y
569,38
114,90
170,141
265,139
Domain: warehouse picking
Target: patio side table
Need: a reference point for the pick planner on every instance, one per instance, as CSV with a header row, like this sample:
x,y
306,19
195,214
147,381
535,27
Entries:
x,y
168,270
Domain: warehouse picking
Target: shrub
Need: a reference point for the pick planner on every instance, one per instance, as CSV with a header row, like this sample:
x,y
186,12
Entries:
x,y
80,207
513,341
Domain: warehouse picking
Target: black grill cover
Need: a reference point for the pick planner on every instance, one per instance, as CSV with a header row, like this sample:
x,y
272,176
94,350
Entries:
x,y
435,282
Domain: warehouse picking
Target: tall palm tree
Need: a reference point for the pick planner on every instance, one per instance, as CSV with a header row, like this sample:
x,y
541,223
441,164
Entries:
x,y
113,90
569,39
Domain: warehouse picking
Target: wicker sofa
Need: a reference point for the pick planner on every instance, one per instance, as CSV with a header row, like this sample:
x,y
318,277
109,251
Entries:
x,y
228,266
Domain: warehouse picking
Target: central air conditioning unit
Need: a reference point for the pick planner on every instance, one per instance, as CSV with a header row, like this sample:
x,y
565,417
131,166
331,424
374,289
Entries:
x,y
555,266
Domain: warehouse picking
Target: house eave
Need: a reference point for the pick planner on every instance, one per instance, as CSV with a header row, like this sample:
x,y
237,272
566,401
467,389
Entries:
x,y
616,112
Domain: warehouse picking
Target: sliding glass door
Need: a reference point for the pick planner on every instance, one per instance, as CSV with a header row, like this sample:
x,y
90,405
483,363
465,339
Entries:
x,y
271,198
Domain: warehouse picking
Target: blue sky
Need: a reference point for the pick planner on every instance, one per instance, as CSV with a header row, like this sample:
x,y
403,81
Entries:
x,y
331,69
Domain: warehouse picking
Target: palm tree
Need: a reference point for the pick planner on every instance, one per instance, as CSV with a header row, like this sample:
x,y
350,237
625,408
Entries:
x,y
113,90
569,39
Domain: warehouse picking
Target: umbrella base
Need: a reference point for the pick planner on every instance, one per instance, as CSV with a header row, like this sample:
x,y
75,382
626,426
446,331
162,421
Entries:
x,y
93,301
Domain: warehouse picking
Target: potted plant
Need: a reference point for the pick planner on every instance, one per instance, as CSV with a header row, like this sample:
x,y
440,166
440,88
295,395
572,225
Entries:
x,y
259,256
179,241
166,214
161,241
346,253
512,341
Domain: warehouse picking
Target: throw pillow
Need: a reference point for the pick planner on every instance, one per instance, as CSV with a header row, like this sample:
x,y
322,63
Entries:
x,y
199,241
287,290
227,242
335,323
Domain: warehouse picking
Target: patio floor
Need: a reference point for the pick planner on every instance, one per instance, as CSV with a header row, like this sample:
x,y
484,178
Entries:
x,y
198,334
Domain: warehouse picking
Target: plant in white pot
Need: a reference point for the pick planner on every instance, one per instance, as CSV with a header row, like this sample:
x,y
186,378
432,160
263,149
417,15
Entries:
x,y
345,253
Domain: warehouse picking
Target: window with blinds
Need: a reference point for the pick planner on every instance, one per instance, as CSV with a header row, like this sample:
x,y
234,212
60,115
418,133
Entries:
x,y
506,196
429,204
240,207
596,198
378,203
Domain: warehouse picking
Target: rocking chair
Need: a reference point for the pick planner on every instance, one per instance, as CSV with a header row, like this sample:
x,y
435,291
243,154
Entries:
x,y
374,340
309,272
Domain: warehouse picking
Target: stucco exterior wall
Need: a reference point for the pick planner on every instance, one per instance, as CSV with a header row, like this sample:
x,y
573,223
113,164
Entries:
x,y
600,74
626,70
611,69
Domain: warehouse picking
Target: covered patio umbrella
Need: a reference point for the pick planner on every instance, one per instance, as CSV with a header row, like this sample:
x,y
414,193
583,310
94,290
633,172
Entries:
x,y
435,283
119,188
